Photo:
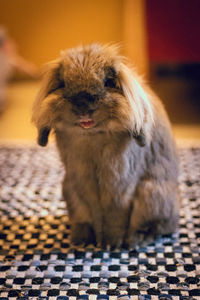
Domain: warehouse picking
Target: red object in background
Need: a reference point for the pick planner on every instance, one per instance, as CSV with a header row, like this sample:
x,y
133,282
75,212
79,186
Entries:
x,y
173,30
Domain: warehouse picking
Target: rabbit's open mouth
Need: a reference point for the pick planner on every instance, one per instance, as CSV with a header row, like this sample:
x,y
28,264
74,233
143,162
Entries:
x,y
87,123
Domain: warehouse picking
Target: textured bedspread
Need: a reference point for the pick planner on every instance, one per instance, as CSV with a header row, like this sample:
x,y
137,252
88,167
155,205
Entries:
x,y
38,262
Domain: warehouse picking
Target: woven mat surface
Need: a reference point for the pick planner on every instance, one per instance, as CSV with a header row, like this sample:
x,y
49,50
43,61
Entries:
x,y
38,262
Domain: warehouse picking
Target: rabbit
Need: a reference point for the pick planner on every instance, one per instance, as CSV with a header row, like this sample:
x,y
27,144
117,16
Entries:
x,y
115,141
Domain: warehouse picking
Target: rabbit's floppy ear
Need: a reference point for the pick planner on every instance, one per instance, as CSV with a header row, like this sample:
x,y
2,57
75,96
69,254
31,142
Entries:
x,y
43,135
141,112
140,138
42,114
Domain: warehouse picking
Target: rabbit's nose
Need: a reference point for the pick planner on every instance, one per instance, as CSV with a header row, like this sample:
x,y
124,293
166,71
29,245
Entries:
x,y
83,97
83,102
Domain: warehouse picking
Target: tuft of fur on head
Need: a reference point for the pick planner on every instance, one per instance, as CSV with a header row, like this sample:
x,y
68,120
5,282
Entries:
x,y
83,69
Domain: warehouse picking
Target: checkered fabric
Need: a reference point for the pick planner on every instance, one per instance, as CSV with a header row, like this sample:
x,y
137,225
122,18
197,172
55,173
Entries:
x,y
38,262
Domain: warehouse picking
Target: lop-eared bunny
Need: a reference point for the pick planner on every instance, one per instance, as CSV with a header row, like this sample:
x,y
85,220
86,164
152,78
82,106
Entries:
x,y
115,142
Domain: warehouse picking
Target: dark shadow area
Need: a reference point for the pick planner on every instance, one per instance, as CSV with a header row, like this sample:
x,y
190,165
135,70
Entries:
x,y
179,88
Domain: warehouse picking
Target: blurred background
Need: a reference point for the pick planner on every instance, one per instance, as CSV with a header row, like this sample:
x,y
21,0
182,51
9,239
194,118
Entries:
x,y
161,38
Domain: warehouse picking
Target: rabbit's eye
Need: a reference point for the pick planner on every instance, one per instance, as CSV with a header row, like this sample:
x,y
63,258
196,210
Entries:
x,y
61,84
110,82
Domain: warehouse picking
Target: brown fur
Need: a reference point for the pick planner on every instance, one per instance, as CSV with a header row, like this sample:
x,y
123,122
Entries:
x,y
121,174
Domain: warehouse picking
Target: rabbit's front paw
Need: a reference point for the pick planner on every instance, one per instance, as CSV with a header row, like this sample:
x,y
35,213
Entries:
x,y
82,233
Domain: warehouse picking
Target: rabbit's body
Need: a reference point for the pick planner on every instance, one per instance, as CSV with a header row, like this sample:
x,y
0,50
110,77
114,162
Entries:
x,y
120,159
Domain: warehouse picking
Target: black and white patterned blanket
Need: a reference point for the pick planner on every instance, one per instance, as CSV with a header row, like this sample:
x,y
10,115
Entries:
x,y
38,262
